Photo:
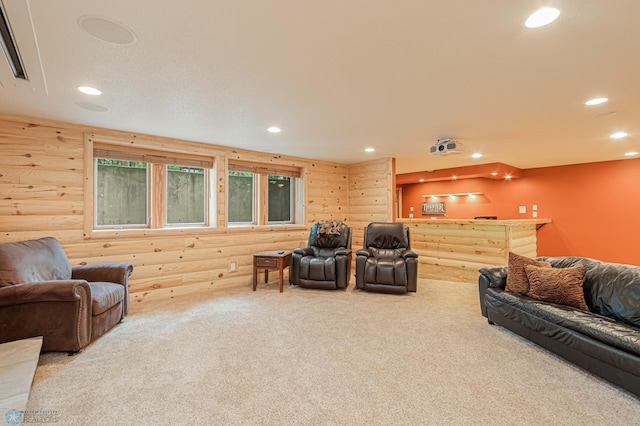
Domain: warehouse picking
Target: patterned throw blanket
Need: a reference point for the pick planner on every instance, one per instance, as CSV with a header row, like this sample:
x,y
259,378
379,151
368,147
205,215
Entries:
x,y
329,227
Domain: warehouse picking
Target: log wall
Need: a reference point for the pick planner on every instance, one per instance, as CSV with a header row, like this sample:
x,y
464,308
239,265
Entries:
x,y
454,250
42,193
371,196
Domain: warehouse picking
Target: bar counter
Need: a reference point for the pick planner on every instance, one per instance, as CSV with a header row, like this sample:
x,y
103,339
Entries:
x,y
454,249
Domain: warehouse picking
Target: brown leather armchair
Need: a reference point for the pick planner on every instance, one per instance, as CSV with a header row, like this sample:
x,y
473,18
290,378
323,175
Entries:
x,y
387,264
41,295
326,262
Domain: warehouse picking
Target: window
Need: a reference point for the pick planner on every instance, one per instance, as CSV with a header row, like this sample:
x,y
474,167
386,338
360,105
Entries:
x,y
280,196
262,194
186,195
241,197
140,188
121,183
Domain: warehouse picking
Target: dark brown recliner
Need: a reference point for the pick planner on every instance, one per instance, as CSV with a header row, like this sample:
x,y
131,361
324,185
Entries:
x,y
387,264
326,262
41,295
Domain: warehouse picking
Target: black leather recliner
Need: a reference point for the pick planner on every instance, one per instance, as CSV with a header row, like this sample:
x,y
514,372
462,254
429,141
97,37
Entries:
x,y
387,264
326,262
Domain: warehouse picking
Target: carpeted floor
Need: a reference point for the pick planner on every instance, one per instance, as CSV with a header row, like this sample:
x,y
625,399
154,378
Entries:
x,y
313,357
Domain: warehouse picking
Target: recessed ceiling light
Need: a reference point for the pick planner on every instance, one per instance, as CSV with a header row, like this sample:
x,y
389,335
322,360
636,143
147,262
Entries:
x,y
596,101
106,29
274,129
507,177
421,180
89,90
476,155
542,17
618,135
630,154
454,177
369,149
494,173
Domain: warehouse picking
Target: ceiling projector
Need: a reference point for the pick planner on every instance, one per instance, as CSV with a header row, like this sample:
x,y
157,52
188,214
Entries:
x,y
446,146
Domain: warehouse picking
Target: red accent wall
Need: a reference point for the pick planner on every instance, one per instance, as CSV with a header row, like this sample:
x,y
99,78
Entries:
x,y
595,207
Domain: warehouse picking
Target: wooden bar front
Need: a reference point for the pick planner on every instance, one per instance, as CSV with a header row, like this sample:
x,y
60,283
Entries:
x,y
454,249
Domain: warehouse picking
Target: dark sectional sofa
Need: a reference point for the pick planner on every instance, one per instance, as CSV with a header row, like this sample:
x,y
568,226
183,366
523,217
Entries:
x,y
604,341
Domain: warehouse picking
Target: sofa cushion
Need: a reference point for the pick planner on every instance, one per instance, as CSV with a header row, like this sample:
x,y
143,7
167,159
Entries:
x,y
33,261
387,236
104,296
610,289
517,280
615,291
606,330
387,271
557,285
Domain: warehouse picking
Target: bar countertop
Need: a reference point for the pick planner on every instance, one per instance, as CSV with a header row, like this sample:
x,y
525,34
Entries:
x,y
530,221
455,249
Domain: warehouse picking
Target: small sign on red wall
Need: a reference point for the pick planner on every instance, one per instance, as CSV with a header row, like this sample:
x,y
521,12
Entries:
x,y
434,207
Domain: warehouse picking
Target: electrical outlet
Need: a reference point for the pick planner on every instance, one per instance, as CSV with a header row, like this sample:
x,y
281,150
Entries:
x,y
410,215
411,208
534,214
523,209
233,266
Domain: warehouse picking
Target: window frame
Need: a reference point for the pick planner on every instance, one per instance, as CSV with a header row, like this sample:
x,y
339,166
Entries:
x,y
292,200
217,201
261,173
254,201
157,160
206,196
147,215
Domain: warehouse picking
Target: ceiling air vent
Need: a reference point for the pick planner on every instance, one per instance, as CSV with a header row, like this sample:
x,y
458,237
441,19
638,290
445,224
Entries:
x,y
9,46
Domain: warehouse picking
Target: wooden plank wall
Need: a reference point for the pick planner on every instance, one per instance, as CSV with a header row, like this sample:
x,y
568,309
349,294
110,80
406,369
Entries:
x,y
455,251
42,194
523,240
371,196
327,192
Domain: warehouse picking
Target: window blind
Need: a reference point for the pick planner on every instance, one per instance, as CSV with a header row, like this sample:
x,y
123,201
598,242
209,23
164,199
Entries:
x,y
148,156
264,169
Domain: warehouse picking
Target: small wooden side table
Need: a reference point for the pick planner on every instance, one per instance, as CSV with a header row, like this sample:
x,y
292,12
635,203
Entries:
x,y
271,260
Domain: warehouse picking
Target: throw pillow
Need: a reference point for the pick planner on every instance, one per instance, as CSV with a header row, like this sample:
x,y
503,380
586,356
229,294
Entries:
x,y
517,280
557,285
329,227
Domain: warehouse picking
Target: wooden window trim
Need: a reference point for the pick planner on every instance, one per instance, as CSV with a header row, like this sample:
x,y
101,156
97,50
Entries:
x,y
261,172
292,206
156,162
264,169
151,156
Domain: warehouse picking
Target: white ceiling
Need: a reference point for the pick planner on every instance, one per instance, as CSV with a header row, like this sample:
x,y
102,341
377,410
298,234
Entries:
x,y
341,75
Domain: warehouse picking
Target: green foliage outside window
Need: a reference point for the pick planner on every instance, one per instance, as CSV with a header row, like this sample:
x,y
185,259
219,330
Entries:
x,y
121,163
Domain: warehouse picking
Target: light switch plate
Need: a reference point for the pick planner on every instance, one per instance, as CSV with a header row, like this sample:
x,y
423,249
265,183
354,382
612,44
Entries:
x,y
523,209
534,214
534,207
